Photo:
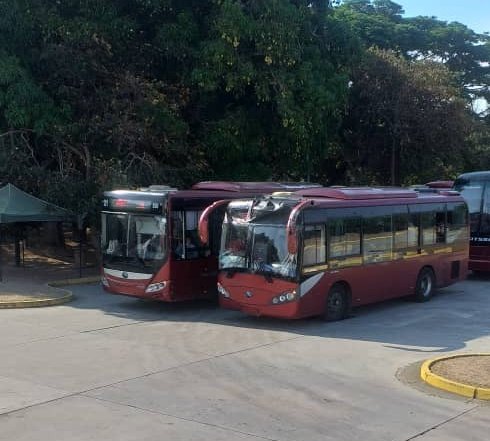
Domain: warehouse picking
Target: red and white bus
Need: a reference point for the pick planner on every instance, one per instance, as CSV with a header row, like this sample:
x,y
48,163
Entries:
x,y
149,240
320,251
475,188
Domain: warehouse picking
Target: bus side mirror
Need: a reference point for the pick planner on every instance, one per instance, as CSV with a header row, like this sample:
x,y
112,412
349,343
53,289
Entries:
x,y
291,226
203,226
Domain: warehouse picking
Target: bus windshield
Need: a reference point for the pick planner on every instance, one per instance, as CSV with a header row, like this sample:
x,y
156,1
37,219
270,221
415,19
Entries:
x,y
269,253
134,241
472,191
233,253
256,248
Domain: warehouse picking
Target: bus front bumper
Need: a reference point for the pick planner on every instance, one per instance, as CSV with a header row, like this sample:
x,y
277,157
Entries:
x,y
288,310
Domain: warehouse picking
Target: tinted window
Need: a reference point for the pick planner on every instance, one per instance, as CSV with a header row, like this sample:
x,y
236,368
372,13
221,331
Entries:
x,y
472,192
377,238
401,223
314,245
457,219
185,239
177,228
344,237
485,218
432,222
413,230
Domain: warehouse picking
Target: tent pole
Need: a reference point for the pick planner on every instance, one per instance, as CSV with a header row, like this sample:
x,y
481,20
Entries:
x,y
17,245
1,256
80,252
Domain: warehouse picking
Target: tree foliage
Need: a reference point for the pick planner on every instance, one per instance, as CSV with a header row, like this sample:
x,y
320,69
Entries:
x,y
405,121
464,52
95,94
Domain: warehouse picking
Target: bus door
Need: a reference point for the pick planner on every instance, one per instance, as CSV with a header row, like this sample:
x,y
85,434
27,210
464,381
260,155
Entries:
x,y
194,270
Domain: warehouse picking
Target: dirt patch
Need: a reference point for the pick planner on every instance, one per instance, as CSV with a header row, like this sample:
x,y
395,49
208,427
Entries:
x,y
473,370
42,264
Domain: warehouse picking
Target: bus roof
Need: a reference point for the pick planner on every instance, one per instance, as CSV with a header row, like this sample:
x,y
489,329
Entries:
x,y
252,186
213,189
357,193
477,175
440,184
139,193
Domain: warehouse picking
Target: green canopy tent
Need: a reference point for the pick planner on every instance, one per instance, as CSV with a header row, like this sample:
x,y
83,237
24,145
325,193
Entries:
x,y
17,206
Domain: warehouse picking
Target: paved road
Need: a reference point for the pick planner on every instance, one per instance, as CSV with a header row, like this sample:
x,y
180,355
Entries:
x,y
112,368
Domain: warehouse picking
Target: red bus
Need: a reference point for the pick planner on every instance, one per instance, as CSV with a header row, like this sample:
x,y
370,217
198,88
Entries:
x,y
475,188
321,251
149,240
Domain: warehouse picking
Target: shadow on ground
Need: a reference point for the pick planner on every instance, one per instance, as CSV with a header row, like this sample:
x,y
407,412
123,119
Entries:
x,y
459,313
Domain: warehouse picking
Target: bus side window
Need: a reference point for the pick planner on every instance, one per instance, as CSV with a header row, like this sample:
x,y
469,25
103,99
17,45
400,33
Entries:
x,y
177,228
377,238
314,245
473,192
185,240
344,239
428,226
413,230
192,244
457,220
400,232
441,226
485,216
433,224
215,226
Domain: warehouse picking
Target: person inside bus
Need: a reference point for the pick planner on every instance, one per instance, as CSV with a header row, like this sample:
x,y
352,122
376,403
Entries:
x,y
237,246
152,247
191,251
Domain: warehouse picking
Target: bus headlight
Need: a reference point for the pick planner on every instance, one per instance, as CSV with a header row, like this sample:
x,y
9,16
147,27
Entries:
x,y
285,297
154,287
222,291
104,281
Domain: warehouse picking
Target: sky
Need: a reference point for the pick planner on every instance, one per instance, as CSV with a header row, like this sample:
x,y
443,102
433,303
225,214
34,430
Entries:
x,y
473,13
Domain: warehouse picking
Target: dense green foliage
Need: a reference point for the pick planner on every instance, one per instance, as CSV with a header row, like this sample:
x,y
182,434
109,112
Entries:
x,y
97,94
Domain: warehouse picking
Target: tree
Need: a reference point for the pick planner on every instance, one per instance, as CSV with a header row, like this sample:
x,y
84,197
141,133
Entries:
x,y
406,121
81,91
464,52
273,82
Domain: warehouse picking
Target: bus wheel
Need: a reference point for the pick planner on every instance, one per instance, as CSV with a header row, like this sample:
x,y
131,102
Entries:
x,y
337,304
425,285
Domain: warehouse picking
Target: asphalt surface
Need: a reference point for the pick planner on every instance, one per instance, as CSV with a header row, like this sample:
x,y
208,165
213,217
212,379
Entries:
x,y
106,367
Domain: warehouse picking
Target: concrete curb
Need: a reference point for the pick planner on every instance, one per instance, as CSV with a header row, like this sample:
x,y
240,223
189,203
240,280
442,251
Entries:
x,y
465,390
48,299
31,302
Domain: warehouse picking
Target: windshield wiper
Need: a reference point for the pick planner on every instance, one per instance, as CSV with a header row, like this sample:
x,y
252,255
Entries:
x,y
231,271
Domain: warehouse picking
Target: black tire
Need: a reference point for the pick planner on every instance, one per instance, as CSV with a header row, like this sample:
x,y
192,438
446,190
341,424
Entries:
x,y
424,289
337,304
